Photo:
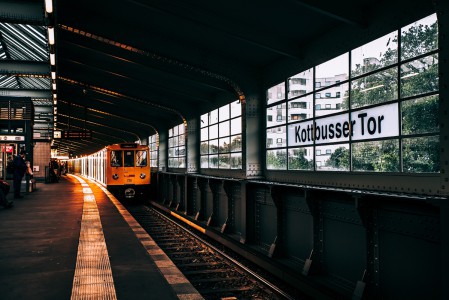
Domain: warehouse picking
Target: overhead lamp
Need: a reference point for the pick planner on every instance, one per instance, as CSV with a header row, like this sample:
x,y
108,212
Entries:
x,y
54,86
51,35
55,102
53,75
54,96
49,6
52,59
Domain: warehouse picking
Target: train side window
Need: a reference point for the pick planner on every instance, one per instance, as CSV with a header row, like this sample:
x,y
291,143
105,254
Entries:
x,y
141,158
116,158
129,158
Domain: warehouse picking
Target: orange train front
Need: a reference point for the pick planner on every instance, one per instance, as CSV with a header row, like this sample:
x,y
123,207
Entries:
x,y
123,168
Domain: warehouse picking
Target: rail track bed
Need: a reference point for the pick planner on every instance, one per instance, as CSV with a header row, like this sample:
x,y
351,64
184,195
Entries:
x,y
215,274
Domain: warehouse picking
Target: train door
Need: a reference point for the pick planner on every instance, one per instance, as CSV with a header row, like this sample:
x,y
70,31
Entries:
x,y
6,150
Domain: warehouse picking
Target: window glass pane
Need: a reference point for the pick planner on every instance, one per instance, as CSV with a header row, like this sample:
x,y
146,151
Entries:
x,y
204,147
300,84
420,115
236,109
171,163
170,132
213,117
170,142
205,133
141,158
224,129
335,100
419,37
332,71
236,143
278,137
182,140
376,156
213,131
276,93
300,158
224,145
419,76
277,159
279,113
213,146
171,152
236,160
213,161
421,154
204,161
300,109
204,120
128,158
224,112
175,130
376,88
224,161
182,162
181,129
175,140
337,160
374,55
236,125
116,158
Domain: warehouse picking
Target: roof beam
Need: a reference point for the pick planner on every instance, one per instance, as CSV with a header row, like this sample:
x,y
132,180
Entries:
x,y
336,11
20,67
290,53
23,12
33,93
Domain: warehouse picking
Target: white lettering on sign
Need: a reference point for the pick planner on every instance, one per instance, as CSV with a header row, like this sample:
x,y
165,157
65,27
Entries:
x,y
377,122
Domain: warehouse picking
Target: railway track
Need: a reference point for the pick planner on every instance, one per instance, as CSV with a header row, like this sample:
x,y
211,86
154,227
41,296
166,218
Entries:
x,y
215,274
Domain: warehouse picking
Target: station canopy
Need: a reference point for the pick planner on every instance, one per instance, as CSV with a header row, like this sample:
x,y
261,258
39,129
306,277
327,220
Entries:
x,y
124,70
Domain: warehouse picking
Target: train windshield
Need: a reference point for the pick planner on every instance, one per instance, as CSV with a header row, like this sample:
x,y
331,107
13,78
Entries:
x,y
129,158
116,158
141,158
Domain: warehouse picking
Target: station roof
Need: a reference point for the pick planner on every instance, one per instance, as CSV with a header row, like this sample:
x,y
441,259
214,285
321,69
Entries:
x,y
128,69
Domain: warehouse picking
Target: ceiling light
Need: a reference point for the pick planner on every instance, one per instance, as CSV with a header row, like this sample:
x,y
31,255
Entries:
x,y
52,59
51,35
49,6
53,75
54,86
55,102
54,96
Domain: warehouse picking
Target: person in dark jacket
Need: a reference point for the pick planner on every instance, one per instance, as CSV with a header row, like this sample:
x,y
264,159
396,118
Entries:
x,y
19,170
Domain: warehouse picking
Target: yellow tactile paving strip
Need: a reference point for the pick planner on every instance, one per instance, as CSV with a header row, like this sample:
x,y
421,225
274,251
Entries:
x,y
93,274
170,272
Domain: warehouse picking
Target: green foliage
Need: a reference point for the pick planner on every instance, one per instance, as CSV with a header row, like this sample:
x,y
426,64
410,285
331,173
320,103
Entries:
x,y
421,154
419,40
298,161
420,115
380,156
277,159
339,159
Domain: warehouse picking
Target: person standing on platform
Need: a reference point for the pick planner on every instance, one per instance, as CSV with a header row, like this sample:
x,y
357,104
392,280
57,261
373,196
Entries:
x,y
19,170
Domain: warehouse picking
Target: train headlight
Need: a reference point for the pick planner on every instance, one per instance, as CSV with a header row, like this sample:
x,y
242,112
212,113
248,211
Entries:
x,y
115,176
142,175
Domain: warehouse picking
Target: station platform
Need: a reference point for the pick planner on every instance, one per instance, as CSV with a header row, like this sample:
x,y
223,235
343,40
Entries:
x,y
74,240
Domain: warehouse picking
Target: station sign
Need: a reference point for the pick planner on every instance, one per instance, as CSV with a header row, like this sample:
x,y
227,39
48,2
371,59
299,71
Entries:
x,y
72,134
13,138
378,122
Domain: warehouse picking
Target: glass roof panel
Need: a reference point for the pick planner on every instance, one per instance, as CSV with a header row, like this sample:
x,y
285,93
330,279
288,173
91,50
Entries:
x,y
25,42
34,83
2,52
8,82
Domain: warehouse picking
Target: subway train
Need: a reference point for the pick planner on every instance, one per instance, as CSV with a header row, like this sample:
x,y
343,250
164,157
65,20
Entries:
x,y
123,168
